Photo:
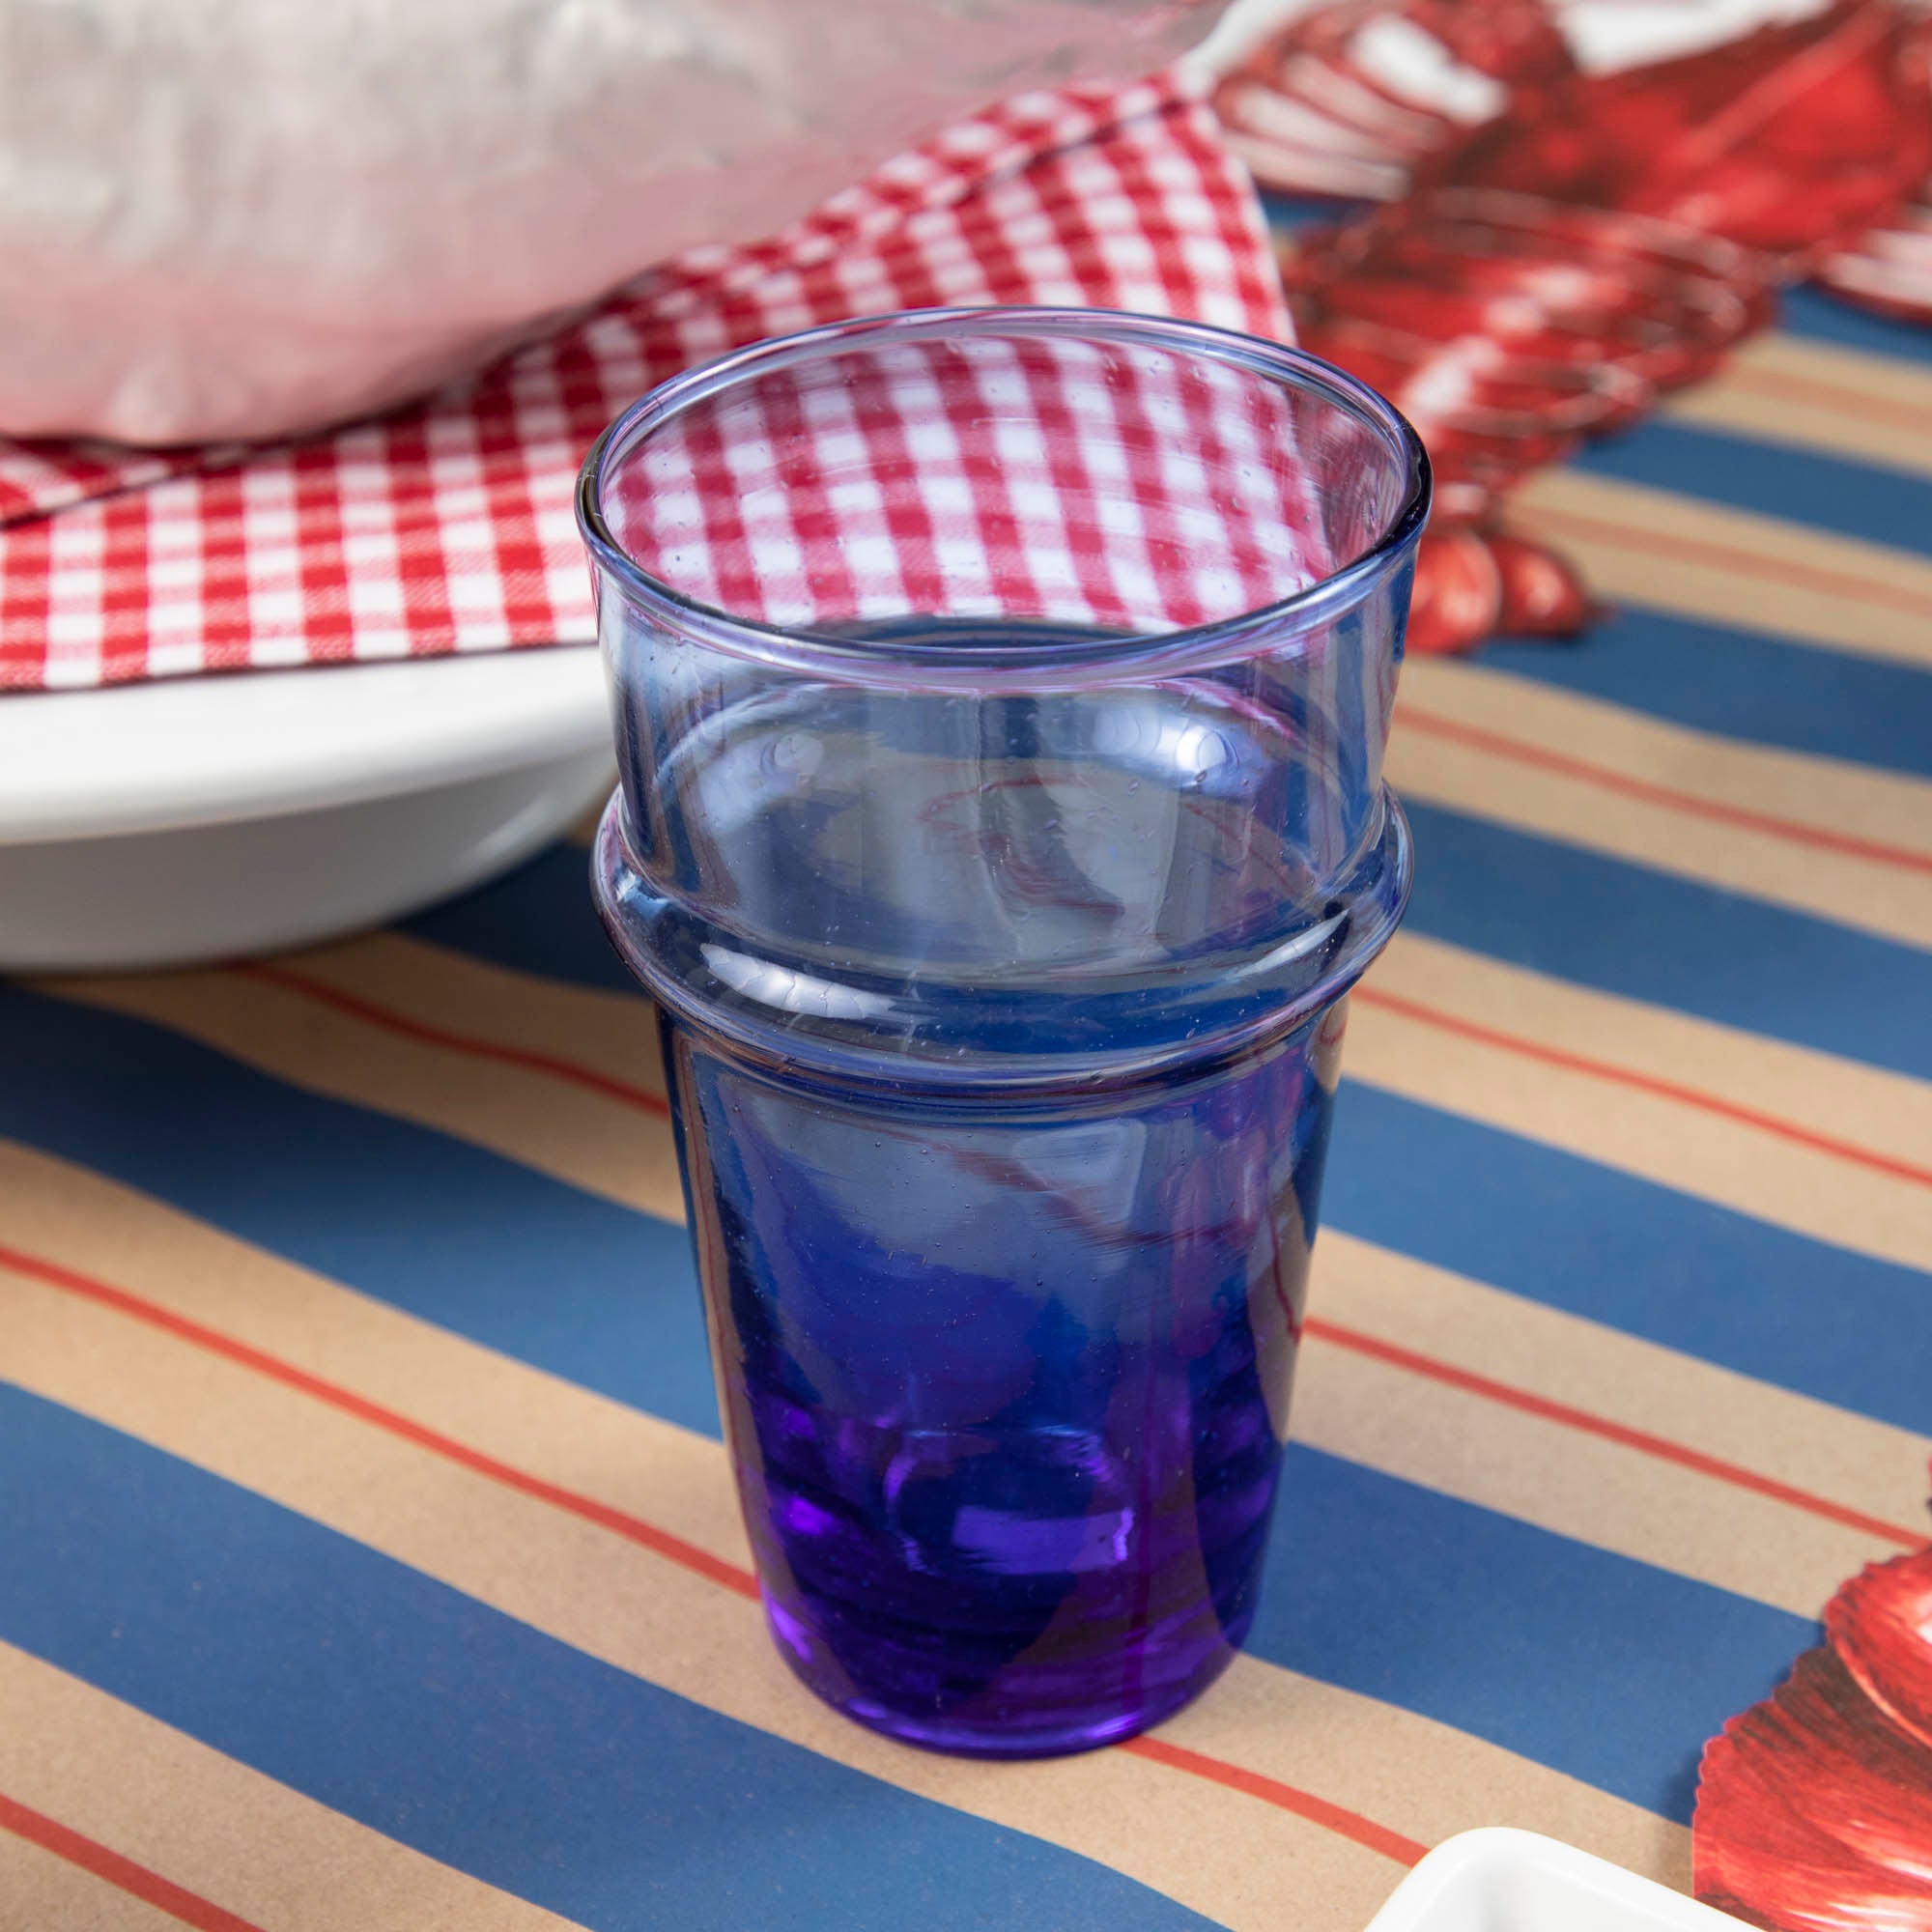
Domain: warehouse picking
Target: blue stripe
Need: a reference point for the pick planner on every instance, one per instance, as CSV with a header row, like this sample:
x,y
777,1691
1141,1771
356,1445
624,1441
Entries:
x,y
445,1230
1289,214
1607,1669
1539,1663
562,941
606,1298
1824,318
1551,1226
468,1736
1742,685
1875,504
1650,935
1822,1322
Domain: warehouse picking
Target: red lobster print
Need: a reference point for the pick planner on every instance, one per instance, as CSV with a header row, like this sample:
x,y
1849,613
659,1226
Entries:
x,y
1814,1807
1560,241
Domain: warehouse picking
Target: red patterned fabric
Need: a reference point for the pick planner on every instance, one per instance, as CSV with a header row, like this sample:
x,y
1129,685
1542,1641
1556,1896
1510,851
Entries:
x,y
448,526
1019,476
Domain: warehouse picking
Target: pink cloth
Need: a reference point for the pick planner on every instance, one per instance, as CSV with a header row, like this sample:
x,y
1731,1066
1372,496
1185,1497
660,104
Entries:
x,y
448,526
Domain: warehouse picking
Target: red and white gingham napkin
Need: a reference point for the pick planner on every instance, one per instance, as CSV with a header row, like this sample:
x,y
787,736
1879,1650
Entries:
x,y
448,526
1121,486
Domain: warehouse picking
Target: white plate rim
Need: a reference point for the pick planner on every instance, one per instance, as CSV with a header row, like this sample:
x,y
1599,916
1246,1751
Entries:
x,y
218,748
1435,1894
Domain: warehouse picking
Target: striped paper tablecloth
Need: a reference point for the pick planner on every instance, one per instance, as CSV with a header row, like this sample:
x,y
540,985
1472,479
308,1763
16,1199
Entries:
x,y
367,1558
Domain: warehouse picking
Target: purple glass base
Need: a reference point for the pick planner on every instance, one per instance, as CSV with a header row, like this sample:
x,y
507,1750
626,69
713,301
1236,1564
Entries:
x,y
1018,1591
1051,1716
1005,1394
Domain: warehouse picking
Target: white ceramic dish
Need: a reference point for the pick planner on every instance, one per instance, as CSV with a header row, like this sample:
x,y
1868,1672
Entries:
x,y
203,818
1498,1880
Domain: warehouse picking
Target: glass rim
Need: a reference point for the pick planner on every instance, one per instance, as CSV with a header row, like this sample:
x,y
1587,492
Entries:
x,y
1019,665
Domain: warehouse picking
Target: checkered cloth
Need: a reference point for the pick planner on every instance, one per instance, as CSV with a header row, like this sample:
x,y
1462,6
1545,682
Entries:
x,y
1123,486
448,526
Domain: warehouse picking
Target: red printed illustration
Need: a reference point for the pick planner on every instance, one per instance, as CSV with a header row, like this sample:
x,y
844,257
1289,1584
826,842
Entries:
x,y
1552,211
1814,1808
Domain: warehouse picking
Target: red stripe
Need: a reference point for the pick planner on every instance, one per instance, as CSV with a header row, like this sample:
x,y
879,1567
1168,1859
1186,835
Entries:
x,y
639,1096
321,559
1611,1432
1645,1083
659,1542
1744,563
1336,1818
1608,779
292,981
1786,388
634,1529
137,1881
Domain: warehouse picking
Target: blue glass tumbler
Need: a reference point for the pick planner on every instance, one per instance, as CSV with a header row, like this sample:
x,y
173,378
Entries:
x,y
1000,699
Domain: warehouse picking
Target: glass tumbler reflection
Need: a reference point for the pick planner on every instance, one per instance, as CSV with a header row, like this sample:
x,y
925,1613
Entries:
x,y
1001,698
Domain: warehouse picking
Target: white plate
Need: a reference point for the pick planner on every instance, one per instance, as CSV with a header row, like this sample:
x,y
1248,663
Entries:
x,y
200,818
1500,1880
